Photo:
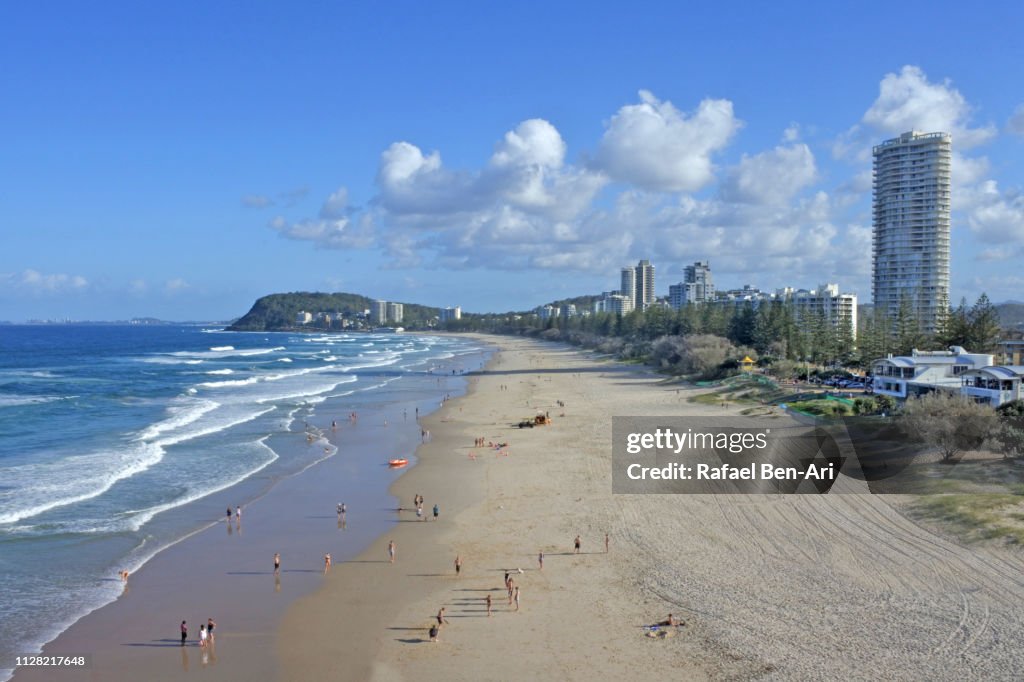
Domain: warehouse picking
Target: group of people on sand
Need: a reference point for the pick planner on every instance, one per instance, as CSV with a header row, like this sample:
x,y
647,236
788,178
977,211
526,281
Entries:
x,y
205,633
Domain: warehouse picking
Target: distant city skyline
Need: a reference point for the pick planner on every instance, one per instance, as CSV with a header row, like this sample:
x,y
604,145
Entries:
x,y
179,162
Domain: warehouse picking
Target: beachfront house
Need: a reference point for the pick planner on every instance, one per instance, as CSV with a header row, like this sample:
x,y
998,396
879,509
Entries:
x,y
993,385
925,371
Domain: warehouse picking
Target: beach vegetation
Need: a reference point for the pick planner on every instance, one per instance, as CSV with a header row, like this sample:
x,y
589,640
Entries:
x,y
947,422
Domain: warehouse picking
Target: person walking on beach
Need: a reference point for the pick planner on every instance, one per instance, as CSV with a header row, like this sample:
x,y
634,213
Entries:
x,y
434,630
516,598
576,545
327,563
488,606
277,564
202,636
441,620
238,514
184,632
229,514
437,510
210,625
458,564
540,560
606,540
391,551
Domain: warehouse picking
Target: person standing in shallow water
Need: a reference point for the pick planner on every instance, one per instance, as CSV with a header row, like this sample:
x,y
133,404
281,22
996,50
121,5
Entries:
x,y
184,633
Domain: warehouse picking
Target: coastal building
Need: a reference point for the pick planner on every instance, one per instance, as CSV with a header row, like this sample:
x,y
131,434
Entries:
x,y
838,309
1011,351
303,317
644,296
617,304
546,312
637,284
451,313
993,385
696,287
379,312
911,222
568,310
396,312
925,371
627,286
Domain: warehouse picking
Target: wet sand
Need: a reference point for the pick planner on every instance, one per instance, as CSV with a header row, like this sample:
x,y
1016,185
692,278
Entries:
x,y
777,587
226,572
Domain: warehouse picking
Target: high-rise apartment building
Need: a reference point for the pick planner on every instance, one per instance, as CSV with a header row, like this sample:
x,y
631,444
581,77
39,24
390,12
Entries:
x,y
380,312
637,284
696,286
644,296
628,286
911,220
450,313
396,312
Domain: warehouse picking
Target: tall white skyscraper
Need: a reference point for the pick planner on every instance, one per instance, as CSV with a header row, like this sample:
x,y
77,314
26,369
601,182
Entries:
x,y
644,296
910,239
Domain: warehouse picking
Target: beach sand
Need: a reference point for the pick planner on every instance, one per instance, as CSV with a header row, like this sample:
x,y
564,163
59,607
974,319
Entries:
x,y
795,587
770,587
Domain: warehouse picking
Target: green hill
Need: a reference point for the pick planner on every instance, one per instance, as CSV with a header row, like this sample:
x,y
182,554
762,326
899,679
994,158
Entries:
x,y
278,311
1011,314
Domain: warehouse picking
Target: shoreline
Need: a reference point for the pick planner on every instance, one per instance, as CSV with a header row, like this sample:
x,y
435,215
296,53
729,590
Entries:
x,y
367,623
785,587
124,633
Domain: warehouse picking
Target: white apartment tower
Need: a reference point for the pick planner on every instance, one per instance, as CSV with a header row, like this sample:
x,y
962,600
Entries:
x,y
396,312
380,312
644,285
911,220
450,313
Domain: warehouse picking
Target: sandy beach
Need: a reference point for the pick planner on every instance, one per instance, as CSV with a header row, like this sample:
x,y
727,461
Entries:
x,y
769,587
798,587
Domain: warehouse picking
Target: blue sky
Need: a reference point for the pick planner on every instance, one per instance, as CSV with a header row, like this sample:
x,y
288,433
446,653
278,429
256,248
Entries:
x,y
182,160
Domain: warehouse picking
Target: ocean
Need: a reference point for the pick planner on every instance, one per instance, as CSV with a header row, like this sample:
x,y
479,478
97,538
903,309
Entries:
x,y
105,431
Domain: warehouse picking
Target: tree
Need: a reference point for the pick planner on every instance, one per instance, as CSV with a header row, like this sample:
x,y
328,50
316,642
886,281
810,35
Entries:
x,y
984,325
948,422
956,330
906,327
1009,437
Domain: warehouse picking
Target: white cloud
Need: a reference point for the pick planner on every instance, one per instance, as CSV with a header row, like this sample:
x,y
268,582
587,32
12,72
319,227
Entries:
x,y
336,206
35,282
334,228
773,176
175,285
908,101
995,216
654,146
530,207
533,143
